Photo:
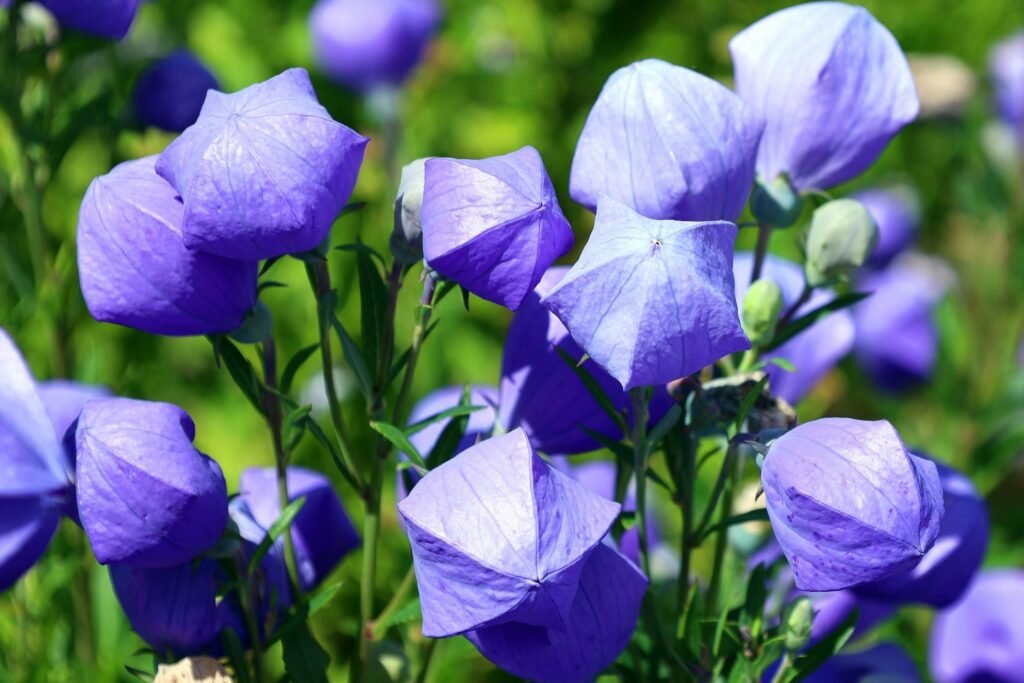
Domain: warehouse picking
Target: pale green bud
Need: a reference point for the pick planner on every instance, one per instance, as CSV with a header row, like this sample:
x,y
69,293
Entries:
x,y
407,236
762,306
842,236
775,202
796,623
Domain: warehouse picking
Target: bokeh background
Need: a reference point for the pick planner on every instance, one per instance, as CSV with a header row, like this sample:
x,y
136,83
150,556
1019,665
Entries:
x,y
501,74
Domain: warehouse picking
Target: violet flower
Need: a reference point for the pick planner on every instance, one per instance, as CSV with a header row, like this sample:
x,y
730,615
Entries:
x,y
848,503
1006,70
134,267
264,171
600,623
499,536
884,662
103,18
897,215
598,476
146,496
492,225
169,94
814,351
800,66
651,301
981,637
365,45
669,143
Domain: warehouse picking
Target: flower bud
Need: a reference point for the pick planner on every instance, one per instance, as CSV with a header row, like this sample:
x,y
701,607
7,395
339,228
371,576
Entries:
x,y
841,238
896,211
407,236
170,93
796,623
103,18
762,306
775,202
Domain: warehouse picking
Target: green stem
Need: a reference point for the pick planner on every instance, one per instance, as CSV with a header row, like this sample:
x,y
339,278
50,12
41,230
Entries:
x,y
748,360
804,297
721,541
784,667
250,601
685,486
764,236
641,456
394,604
428,657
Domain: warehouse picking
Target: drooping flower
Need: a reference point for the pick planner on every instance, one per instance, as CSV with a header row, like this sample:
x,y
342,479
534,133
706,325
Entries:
x,y
600,623
146,496
945,571
883,662
493,225
134,267
264,171
1006,69
651,301
103,18
848,503
896,213
814,351
669,143
801,65
981,637
169,94
499,536
365,45
172,609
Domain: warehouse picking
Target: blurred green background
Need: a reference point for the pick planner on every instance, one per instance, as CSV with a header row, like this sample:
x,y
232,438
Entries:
x,y
502,74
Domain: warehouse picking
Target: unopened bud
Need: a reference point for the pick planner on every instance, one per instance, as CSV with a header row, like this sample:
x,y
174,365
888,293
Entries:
x,y
796,623
842,236
775,202
407,237
762,306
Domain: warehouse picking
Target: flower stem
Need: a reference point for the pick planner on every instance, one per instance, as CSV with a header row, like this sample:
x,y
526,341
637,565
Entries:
x,y
394,604
685,486
805,295
735,464
784,667
764,236
641,456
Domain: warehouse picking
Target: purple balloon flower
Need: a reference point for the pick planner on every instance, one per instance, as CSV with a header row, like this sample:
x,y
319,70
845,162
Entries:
x,y
884,662
172,609
103,18
981,637
669,143
499,536
651,301
800,66
146,496
169,94
896,213
1006,69
600,623
848,503
492,225
134,268
370,44
263,172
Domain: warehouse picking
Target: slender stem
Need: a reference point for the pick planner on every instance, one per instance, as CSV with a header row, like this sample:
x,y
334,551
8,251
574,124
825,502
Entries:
x,y
640,462
428,657
784,667
764,236
388,340
394,604
804,297
685,486
735,464
250,601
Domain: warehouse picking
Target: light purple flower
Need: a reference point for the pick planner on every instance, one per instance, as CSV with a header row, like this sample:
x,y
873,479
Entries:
x,y
492,225
103,18
651,301
832,85
814,351
884,662
848,503
146,496
897,214
1006,69
371,44
169,94
600,623
669,143
264,171
981,637
134,267
499,536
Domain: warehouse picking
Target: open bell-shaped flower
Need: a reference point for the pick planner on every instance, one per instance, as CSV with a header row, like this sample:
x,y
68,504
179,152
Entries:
x,y
136,271
103,18
848,503
668,142
800,66
651,301
492,225
170,93
146,496
264,171
499,536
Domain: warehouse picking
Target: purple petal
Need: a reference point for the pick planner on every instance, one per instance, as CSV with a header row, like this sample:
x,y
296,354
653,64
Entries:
x,y
801,65
848,504
897,214
146,496
493,225
1006,69
669,143
651,301
263,172
601,622
169,94
103,18
135,269
27,524
498,535
885,662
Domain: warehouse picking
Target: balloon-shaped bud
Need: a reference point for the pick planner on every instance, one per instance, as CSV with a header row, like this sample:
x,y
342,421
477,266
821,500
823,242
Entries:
x,y
103,18
407,236
775,202
796,623
841,238
897,212
170,92
762,306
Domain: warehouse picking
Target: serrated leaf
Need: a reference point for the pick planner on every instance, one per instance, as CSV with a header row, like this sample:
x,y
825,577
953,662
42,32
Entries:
x,y
305,661
593,388
399,440
276,530
803,322
294,364
408,612
457,411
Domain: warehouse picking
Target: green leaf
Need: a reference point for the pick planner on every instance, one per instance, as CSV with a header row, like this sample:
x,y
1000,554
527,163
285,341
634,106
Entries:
x,y
236,654
816,655
313,428
354,358
408,612
269,284
803,322
457,411
758,515
689,626
781,362
267,264
139,673
451,436
293,366
360,248
752,613
399,440
664,426
593,388
305,661
295,425
322,597
240,369
373,301
277,529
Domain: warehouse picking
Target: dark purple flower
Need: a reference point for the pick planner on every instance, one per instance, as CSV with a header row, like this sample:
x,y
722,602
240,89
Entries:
x,y
169,94
371,44
146,496
980,639
499,536
174,609
651,301
103,18
848,503
832,85
264,171
493,225
600,623
896,213
669,143
1006,69
814,351
884,662
135,270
